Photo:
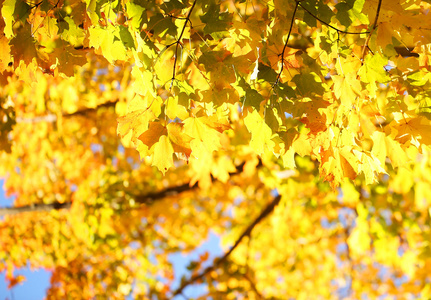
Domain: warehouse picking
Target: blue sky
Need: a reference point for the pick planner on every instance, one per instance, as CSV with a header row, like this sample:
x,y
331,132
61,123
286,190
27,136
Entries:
x,y
37,281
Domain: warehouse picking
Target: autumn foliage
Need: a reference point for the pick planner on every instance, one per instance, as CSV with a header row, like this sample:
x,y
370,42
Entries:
x,y
299,132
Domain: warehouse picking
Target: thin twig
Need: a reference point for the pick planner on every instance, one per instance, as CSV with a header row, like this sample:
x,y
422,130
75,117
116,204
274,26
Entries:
x,y
218,261
178,42
51,9
335,28
372,30
285,44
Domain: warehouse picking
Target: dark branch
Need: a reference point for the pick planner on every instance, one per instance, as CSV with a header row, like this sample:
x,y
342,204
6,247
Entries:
x,y
178,42
269,208
285,45
147,199
33,208
323,22
372,30
85,111
150,198
53,118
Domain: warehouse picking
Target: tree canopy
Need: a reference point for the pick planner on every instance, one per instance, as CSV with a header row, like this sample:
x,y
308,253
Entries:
x,y
299,132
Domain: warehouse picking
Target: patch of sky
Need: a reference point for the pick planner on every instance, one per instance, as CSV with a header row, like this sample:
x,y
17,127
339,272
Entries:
x,y
121,149
102,87
180,262
386,214
176,120
346,217
102,71
287,115
117,85
325,223
365,193
96,148
274,193
340,195
34,287
341,248
345,290
5,201
399,281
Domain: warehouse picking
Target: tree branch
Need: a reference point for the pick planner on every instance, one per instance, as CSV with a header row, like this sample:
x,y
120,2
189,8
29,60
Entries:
x,y
146,199
285,44
372,29
51,118
323,22
34,207
178,42
268,210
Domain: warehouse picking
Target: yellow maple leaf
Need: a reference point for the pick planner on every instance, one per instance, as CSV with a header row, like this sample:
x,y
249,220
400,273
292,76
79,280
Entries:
x,y
369,165
417,131
379,148
205,137
338,163
180,141
140,113
162,154
260,133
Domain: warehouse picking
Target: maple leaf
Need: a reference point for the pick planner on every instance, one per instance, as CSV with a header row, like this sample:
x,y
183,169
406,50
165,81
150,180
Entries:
x,y
163,151
241,92
153,134
23,46
411,130
180,140
260,132
67,59
204,138
140,113
5,57
336,164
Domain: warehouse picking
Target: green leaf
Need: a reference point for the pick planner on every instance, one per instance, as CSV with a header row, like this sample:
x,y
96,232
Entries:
x,y
108,39
252,97
134,13
260,133
374,70
308,84
319,9
71,32
215,20
13,10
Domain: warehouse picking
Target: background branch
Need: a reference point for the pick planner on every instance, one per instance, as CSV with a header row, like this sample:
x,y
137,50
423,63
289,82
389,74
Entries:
x,y
146,199
50,118
269,208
